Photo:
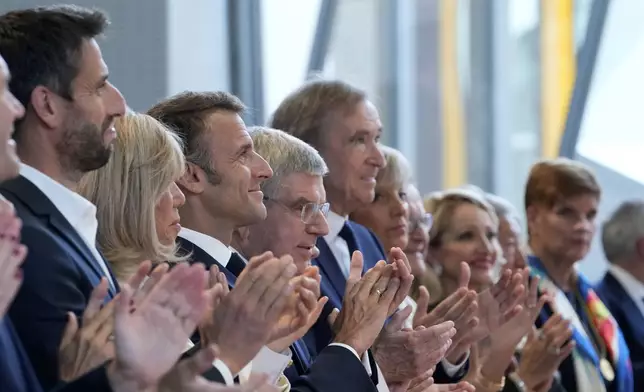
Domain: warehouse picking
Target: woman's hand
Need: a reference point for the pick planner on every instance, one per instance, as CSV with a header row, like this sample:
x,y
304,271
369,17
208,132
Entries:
x,y
544,351
85,348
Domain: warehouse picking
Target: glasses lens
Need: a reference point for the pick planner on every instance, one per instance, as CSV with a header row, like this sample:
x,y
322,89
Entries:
x,y
310,210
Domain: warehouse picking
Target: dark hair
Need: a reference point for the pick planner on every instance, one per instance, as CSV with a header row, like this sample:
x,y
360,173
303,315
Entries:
x,y
186,114
42,46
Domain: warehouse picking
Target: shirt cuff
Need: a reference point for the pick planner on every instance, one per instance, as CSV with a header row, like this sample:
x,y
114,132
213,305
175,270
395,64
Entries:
x,y
452,370
364,359
271,363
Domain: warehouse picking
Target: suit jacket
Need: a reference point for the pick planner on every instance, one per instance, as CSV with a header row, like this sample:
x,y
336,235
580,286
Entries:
x,y
17,375
60,273
630,320
333,286
335,369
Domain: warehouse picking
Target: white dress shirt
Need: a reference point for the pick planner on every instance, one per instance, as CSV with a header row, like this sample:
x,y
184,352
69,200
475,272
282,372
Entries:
x,y
266,361
79,212
633,287
341,252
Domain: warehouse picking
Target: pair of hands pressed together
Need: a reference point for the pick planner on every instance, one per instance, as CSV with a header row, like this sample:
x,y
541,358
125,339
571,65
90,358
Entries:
x,y
268,306
167,309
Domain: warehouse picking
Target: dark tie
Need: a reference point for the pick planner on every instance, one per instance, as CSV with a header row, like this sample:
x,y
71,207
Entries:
x,y
349,237
236,264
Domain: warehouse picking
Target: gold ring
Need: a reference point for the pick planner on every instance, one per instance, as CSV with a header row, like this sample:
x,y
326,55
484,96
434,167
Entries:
x,y
378,292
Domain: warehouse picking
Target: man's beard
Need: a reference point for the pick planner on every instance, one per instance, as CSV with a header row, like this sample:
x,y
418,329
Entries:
x,y
82,149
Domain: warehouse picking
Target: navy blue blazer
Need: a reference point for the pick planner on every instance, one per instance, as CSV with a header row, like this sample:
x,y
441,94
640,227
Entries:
x,y
630,320
59,271
17,375
333,286
335,369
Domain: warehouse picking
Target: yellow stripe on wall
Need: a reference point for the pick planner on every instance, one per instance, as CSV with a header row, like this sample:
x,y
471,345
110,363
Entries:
x,y
558,67
454,143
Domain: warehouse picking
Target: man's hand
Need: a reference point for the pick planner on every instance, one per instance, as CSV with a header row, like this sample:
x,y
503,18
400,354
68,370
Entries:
x,y
84,349
404,355
302,314
216,291
245,318
366,304
186,377
169,313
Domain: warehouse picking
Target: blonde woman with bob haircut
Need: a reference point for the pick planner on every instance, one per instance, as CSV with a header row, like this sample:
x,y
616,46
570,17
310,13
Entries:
x,y
136,197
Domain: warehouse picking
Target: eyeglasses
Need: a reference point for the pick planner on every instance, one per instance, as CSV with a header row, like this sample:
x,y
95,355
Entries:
x,y
308,212
424,222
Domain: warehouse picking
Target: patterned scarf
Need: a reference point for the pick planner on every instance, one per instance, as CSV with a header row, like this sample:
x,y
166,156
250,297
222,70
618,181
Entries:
x,y
586,357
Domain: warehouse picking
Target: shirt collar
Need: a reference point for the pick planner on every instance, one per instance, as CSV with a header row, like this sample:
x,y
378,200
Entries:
x,y
215,248
74,207
633,287
335,222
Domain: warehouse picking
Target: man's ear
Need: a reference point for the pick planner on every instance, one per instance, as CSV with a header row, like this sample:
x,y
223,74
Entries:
x,y
193,180
48,107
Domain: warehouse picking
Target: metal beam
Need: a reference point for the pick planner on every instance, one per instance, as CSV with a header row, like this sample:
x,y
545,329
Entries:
x,y
322,38
246,75
585,69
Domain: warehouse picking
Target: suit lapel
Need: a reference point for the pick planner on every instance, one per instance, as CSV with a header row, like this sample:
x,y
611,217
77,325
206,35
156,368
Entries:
x,y
40,205
198,255
330,268
630,308
362,247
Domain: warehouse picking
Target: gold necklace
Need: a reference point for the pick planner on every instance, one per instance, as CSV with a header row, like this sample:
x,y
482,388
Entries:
x,y
605,367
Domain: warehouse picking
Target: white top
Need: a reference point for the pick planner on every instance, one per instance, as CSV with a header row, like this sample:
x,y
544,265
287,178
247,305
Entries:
x,y
337,244
79,212
633,287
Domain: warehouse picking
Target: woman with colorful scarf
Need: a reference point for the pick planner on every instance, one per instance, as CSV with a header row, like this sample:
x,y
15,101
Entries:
x,y
561,200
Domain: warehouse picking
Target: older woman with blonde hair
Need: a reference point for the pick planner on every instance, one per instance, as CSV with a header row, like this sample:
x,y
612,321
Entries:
x,y
136,197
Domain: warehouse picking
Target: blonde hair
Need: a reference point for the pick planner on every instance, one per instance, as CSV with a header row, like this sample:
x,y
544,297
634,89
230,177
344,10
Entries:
x,y
147,158
443,204
397,171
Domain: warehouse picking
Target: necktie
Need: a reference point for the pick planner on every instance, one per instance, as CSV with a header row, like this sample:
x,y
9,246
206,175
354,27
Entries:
x,y
349,237
236,264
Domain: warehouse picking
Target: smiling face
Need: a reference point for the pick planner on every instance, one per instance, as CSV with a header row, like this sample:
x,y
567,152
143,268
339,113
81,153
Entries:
x,y
284,230
236,196
351,150
10,111
470,236
87,123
